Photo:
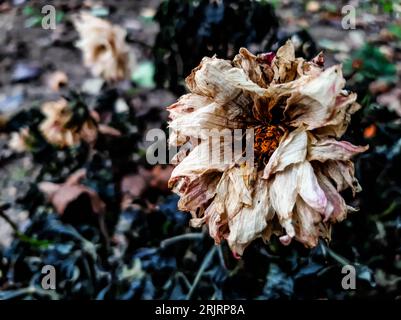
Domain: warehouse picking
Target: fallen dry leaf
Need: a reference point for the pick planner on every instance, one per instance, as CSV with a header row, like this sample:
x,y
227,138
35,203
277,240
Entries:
x,y
63,194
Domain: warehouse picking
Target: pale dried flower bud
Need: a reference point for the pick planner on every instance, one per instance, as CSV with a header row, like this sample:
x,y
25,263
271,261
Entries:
x,y
104,48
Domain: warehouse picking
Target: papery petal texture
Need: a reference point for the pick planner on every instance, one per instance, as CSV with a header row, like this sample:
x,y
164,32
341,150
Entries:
x,y
291,188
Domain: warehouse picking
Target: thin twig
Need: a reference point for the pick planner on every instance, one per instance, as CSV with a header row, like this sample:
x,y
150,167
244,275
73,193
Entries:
x,y
205,264
340,259
12,224
188,236
221,257
30,291
180,275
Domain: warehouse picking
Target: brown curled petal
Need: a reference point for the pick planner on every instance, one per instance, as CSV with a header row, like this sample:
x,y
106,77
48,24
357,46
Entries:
x,y
62,195
188,103
217,79
313,103
336,209
248,62
199,192
306,220
342,173
337,124
331,149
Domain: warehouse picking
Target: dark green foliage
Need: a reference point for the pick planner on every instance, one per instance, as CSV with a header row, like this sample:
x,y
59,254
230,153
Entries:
x,y
191,30
366,65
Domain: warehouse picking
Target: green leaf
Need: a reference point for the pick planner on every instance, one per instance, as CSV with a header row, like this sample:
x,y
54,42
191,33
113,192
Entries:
x,y
28,11
373,65
33,241
33,21
59,16
143,75
395,29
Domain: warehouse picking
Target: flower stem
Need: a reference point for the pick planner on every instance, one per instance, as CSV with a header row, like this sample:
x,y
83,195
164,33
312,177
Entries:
x,y
188,236
205,264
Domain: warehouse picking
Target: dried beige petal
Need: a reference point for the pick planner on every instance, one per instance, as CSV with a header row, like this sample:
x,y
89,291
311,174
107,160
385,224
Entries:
x,y
250,222
336,126
197,163
309,189
291,150
342,173
313,103
284,64
217,79
200,191
217,222
213,116
227,202
188,103
283,194
331,149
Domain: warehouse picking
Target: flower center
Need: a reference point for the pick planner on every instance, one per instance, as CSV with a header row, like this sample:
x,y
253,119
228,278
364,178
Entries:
x,y
266,140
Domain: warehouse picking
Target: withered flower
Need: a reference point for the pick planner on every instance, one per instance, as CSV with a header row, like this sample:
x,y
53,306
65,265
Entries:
x,y
59,127
297,111
104,48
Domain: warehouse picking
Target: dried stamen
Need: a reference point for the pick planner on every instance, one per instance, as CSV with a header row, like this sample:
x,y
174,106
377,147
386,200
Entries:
x,y
267,138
